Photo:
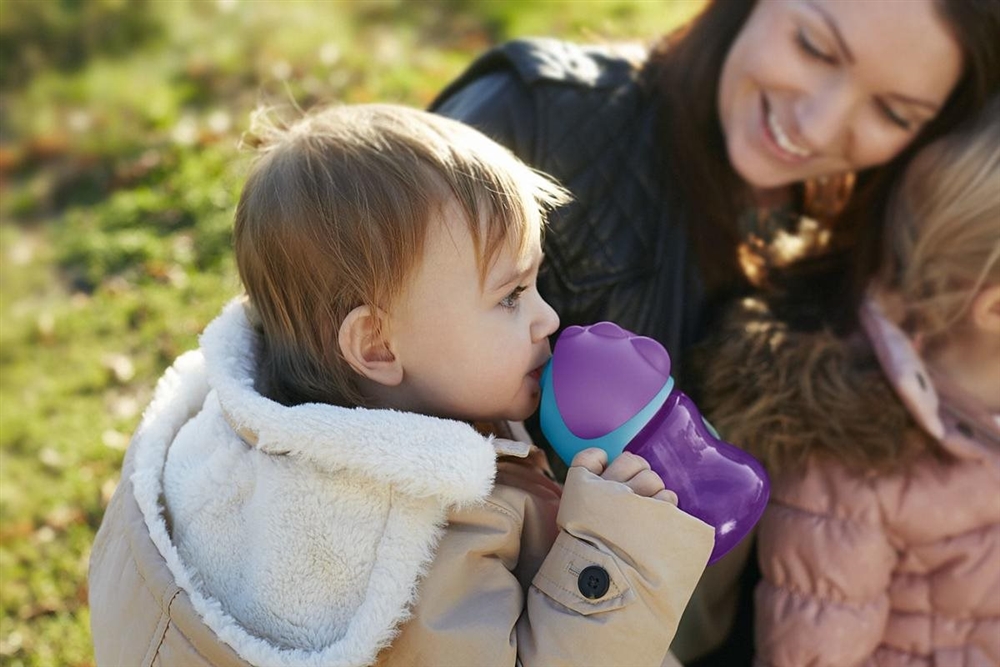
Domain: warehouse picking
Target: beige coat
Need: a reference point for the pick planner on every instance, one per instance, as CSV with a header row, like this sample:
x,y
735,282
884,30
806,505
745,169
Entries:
x,y
500,584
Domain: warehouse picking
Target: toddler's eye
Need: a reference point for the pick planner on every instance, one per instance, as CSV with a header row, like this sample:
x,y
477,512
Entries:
x,y
510,301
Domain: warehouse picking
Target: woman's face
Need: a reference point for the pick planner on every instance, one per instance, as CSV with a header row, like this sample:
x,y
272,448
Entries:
x,y
818,87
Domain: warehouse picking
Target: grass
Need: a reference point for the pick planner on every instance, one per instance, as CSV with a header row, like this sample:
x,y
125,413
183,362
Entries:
x,y
118,178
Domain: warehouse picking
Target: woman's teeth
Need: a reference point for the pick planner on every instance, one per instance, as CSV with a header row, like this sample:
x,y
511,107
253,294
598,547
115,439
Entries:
x,y
782,139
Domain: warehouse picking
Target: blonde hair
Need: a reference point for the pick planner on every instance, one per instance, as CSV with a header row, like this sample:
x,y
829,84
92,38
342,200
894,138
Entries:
x,y
334,214
943,229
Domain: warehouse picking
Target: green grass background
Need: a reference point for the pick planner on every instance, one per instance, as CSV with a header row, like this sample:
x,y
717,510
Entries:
x,y
119,173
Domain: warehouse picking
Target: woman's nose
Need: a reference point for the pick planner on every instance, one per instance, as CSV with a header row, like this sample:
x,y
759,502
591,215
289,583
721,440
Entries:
x,y
545,322
825,117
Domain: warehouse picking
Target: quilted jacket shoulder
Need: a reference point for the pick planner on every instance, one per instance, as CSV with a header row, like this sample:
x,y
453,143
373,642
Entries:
x,y
544,59
582,114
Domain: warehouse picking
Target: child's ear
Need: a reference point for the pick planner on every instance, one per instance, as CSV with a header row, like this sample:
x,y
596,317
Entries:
x,y
986,310
365,350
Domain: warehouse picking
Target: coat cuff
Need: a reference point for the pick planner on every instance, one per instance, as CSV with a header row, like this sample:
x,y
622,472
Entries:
x,y
638,542
559,577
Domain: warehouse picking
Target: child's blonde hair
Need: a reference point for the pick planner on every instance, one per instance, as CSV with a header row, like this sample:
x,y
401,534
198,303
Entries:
x,y
943,230
334,214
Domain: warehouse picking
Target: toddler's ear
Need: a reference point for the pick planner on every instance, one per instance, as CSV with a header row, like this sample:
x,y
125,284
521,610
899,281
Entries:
x,y
365,349
986,310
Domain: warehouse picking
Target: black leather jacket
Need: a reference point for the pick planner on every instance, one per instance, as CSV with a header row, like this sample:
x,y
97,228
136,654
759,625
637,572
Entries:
x,y
619,251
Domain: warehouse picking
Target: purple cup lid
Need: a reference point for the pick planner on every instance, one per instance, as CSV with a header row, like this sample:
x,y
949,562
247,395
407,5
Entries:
x,y
603,376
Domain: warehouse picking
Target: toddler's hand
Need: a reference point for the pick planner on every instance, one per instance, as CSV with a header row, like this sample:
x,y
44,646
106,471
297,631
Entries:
x,y
631,470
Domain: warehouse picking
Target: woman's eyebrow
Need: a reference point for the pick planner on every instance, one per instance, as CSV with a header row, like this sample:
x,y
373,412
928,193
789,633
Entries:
x,y
832,25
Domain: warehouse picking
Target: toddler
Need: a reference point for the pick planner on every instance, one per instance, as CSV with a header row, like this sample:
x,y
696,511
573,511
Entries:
x,y
881,545
322,482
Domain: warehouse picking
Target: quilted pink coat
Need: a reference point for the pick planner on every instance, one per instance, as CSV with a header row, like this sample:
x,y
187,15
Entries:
x,y
881,545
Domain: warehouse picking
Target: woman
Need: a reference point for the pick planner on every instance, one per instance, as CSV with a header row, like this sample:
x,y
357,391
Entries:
x,y
685,162
753,148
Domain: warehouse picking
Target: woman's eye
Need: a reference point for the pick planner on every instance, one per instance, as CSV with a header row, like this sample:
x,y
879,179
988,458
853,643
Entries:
x,y
812,50
510,301
893,117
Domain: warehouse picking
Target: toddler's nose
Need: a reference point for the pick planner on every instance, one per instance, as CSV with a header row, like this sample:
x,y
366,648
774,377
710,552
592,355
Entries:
x,y
546,323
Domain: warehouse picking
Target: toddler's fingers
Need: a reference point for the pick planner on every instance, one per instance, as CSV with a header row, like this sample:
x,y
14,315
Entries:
x,y
593,459
667,496
646,483
626,466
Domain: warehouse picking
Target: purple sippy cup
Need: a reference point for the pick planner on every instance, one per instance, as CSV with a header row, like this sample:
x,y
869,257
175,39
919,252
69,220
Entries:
x,y
606,387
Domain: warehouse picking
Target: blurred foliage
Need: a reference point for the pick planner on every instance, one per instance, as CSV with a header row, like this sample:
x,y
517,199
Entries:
x,y
63,35
119,173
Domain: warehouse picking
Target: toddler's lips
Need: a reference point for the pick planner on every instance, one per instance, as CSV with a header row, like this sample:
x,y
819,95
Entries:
x,y
536,374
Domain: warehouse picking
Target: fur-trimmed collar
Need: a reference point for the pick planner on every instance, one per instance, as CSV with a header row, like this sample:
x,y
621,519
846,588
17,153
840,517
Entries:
x,y
786,395
430,464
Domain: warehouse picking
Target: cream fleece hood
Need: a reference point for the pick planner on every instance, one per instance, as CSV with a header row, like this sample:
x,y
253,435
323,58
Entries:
x,y
299,533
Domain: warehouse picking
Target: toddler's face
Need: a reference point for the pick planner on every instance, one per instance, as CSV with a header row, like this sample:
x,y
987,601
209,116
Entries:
x,y
470,352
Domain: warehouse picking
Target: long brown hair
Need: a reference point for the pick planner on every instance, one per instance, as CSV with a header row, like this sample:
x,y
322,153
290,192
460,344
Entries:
x,y
683,72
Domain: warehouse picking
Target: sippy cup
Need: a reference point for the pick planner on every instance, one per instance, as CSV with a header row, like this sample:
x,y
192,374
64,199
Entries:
x,y
607,387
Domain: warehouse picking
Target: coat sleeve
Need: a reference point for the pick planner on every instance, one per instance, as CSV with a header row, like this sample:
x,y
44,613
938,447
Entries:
x,y
826,562
646,557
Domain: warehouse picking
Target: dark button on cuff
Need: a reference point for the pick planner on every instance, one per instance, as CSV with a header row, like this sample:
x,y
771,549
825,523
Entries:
x,y
593,582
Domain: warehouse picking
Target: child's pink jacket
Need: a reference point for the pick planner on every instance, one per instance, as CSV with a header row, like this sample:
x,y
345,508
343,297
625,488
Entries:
x,y
899,568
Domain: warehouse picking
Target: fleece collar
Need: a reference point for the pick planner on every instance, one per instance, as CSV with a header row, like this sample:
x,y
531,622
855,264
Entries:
x,y
447,462
418,455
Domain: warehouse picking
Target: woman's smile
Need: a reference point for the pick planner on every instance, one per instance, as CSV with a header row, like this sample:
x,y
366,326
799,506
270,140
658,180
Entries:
x,y
780,143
